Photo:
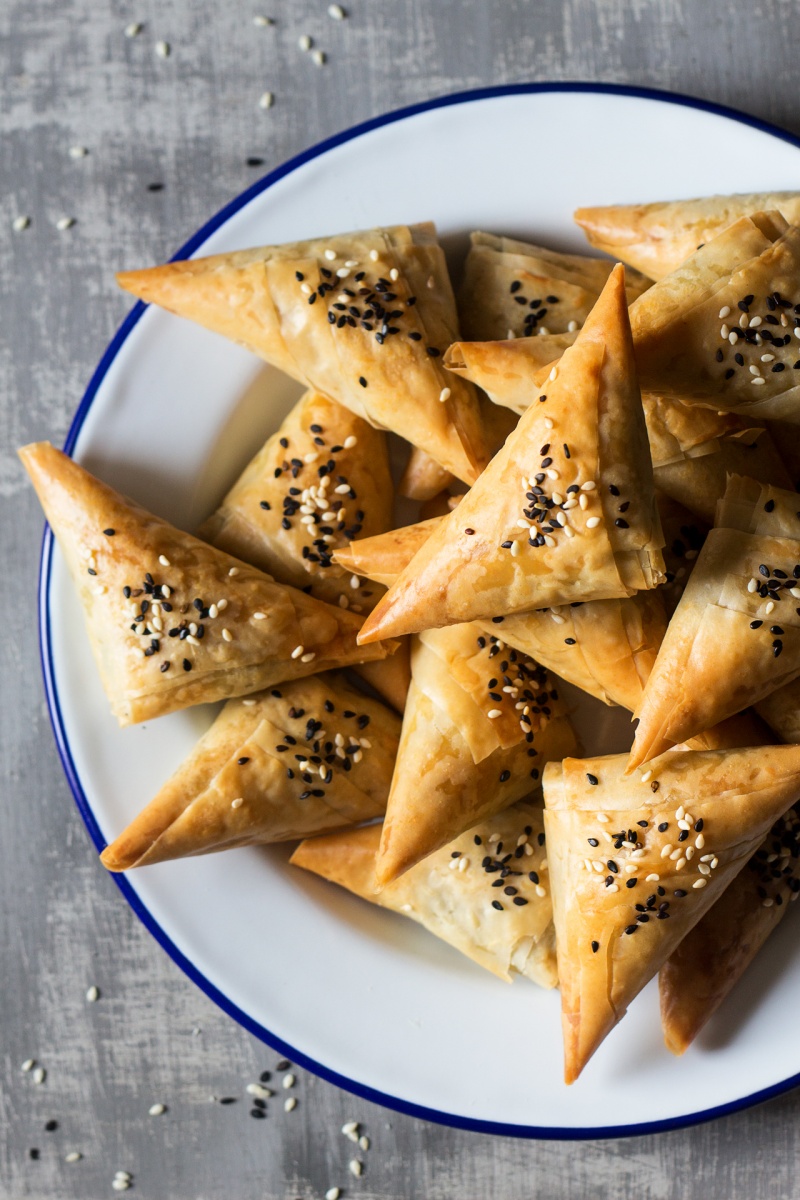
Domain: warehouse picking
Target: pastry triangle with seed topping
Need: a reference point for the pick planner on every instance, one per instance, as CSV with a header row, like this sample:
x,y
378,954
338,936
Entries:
x,y
515,289
471,743
735,635
450,893
720,330
605,647
310,756
565,512
636,861
362,317
657,238
712,958
171,620
318,482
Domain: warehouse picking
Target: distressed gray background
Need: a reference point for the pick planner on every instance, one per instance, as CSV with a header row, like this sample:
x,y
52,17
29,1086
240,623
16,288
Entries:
x,y
69,77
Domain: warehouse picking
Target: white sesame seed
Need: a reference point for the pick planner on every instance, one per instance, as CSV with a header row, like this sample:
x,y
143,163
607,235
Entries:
x,y
373,254
767,357
227,636
77,152
603,818
237,803
559,620
648,775
680,813
155,1110
733,337
289,1103
163,49
134,29
39,1075
355,1167
652,878
123,1175
592,522
350,441
444,395
288,1081
683,824
755,322
724,332
752,585
754,370
307,658
20,223
724,312
233,571
700,883
73,1156
64,223
553,375
549,541
493,713
263,22
336,13
743,321
758,379
298,650
332,1194
665,850
769,607
319,58
349,1128
304,42
572,327
363,1142
266,100
259,616
93,994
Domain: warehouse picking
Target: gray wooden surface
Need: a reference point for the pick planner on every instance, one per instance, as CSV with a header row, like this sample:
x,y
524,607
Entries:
x,y
70,77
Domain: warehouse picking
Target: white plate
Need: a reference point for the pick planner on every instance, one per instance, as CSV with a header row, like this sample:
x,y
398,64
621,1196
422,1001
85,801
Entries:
x,y
356,994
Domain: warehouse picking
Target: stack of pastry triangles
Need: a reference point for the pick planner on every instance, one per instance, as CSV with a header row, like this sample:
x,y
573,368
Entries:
x,y
641,546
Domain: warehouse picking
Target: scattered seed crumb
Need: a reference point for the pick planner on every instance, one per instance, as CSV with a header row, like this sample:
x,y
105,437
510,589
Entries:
x,y
288,1081
333,1193
356,1167
258,1089
336,12
93,994
350,1130
363,1142
263,22
196,1031
318,57
134,29
283,1065
28,1065
289,1103
20,223
155,1110
120,1185
73,1156
126,1175
163,49
304,42
77,152
39,1075
64,223
266,100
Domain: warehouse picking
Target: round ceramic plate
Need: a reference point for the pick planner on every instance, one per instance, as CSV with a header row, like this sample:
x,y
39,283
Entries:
x,y
358,995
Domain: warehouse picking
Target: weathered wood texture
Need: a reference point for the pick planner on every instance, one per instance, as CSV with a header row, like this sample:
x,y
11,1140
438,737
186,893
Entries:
x,y
70,77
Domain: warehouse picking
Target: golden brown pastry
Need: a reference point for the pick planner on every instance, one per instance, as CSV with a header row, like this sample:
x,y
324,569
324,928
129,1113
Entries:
x,y
390,677
494,909
713,956
480,723
423,477
720,330
637,860
735,635
684,536
304,758
657,238
516,289
786,437
171,620
318,482
605,647
362,317
565,512
781,711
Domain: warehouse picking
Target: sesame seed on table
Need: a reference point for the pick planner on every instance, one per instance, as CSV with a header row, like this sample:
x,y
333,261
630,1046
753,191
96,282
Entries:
x,y
127,127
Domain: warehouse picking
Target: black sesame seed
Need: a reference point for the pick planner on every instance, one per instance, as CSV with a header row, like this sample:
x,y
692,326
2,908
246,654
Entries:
x,y
769,506
257,1113
362,381
698,825
50,1126
631,883
505,776
496,904
593,780
187,666
679,892
593,841
631,928
663,827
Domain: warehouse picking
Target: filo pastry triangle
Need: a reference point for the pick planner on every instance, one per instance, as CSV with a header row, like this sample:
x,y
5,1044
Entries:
x,y
605,647
517,289
450,892
657,238
735,635
321,480
363,318
304,758
565,512
480,722
636,861
704,968
171,620
720,330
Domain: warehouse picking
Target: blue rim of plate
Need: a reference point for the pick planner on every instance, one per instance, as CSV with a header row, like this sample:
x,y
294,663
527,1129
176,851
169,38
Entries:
x,y
51,688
